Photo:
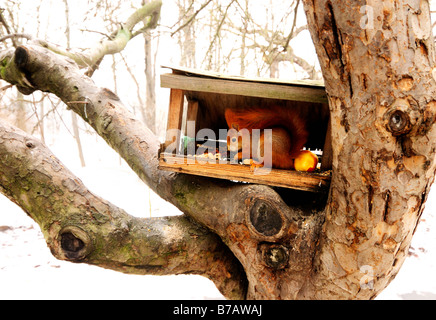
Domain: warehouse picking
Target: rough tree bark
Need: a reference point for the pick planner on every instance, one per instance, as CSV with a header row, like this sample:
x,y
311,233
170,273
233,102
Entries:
x,y
381,91
377,59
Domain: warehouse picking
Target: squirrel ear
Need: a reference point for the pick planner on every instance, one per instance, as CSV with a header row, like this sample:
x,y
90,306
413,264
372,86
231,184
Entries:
x,y
235,126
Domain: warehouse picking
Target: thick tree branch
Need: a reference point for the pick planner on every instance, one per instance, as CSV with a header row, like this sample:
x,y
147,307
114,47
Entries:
x,y
265,234
35,68
81,227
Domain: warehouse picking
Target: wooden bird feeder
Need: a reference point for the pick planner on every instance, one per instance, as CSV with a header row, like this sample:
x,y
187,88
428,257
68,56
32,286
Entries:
x,y
196,120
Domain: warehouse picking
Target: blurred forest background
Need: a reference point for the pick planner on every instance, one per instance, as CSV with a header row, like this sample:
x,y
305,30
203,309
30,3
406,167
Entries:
x,y
238,37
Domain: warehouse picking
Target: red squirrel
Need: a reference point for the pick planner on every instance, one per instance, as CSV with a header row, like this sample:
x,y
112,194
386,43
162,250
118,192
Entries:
x,y
289,133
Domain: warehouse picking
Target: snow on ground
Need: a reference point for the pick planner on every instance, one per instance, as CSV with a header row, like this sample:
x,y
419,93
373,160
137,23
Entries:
x,y
29,271
417,277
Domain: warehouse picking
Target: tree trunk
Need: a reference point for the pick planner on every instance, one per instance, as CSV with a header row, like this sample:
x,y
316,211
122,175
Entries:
x,y
186,36
378,67
346,245
74,123
150,79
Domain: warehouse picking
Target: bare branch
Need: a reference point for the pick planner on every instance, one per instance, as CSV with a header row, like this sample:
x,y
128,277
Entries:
x,y
91,58
5,24
6,87
291,34
191,18
16,35
218,30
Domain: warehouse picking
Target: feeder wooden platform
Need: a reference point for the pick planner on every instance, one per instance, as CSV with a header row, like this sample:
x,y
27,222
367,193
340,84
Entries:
x,y
306,181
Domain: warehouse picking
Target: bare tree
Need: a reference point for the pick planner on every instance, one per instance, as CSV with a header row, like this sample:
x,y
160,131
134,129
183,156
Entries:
x,y
269,42
150,78
74,123
186,32
381,91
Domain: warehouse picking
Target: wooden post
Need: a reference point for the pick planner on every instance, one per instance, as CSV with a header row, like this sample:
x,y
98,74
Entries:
x,y
192,111
327,152
175,113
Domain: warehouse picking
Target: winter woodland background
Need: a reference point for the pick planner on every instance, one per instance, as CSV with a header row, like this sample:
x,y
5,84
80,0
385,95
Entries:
x,y
254,39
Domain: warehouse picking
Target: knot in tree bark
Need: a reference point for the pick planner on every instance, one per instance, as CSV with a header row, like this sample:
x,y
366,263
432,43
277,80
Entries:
x,y
275,256
265,220
21,57
75,243
397,118
399,123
